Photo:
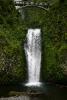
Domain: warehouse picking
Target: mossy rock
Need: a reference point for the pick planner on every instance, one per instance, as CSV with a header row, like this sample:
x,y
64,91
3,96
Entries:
x,y
12,67
63,57
13,30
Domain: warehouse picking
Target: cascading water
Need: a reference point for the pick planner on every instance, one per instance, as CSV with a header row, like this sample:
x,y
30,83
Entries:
x,y
33,52
33,55
19,8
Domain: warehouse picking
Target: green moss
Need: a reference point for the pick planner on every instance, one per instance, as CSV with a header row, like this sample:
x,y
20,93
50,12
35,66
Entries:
x,y
12,63
54,43
65,36
13,31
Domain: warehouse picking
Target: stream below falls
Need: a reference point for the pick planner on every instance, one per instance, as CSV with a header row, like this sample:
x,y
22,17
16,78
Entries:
x,y
47,92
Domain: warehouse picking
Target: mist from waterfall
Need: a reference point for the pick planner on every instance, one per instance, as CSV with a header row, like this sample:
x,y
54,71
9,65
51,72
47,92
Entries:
x,y
33,55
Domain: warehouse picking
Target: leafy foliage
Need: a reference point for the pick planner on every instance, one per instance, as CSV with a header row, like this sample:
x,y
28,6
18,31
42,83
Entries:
x,y
13,30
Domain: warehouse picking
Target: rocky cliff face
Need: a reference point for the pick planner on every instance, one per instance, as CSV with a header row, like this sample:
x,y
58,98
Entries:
x,y
13,30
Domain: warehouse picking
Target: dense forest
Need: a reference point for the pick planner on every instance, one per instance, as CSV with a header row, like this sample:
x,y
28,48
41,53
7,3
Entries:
x,y
13,30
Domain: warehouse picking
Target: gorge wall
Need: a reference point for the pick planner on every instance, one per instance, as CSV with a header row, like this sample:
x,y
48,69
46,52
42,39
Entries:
x,y
13,31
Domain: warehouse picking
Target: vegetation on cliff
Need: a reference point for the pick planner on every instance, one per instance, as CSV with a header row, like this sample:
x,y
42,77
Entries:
x,y
13,29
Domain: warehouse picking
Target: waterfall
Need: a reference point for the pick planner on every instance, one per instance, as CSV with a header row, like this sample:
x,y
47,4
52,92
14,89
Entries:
x,y
19,8
33,55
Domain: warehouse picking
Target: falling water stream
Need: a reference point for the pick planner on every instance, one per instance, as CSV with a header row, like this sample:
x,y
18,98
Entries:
x,y
32,48
33,55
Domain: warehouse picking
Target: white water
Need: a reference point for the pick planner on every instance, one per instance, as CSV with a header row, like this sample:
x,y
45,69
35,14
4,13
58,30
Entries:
x,y
19,8
33,55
